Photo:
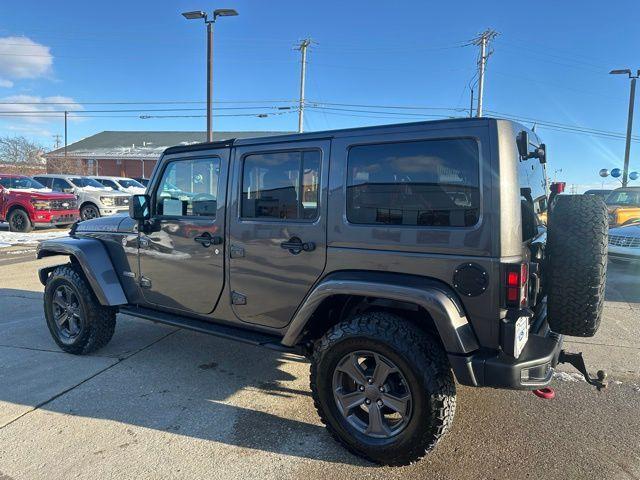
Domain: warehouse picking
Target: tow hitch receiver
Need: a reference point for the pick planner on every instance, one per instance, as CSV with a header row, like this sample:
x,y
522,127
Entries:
x,y
577,361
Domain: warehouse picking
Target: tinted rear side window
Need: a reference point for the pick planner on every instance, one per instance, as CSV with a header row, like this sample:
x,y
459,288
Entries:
x,y
426,183
281,185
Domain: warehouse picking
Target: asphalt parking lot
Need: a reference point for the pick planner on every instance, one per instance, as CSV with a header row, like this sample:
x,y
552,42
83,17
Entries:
x,y
159,402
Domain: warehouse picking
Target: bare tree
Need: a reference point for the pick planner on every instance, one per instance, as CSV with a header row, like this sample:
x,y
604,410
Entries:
x,y
21,155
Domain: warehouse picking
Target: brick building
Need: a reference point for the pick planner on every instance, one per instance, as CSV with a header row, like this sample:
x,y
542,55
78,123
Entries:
x,y
127,154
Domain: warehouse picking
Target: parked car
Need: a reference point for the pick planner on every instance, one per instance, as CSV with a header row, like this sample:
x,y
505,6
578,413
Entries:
x,y
623,205
144,181
121,184
25,204
392,257
602,193
95,200
624,242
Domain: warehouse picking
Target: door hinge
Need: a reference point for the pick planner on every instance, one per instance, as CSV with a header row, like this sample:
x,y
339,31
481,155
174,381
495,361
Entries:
x,y
236,252
238,298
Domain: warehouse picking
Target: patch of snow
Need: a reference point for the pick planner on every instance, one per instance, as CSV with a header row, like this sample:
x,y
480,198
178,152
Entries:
x,y
568,377
20,252
8,239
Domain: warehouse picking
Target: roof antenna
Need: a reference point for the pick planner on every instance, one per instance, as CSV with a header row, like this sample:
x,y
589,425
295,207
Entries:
x,y
533,129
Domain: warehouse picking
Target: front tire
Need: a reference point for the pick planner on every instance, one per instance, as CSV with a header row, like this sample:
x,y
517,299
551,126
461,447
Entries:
x,y
78,323
383,388
19,221
89,211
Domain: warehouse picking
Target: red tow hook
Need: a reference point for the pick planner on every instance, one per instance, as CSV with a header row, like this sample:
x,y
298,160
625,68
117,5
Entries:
x,y
548,393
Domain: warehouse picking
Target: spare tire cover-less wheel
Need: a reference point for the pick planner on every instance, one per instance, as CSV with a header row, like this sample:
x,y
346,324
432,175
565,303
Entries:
x,y
576,264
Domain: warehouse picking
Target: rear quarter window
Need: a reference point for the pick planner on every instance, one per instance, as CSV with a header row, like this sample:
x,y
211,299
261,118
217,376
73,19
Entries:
x,y
417,183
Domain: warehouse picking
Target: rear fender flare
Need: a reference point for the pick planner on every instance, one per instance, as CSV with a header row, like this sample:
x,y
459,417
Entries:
x,y
436,298
95,262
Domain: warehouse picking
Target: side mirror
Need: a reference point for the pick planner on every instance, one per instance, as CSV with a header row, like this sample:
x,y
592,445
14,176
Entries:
x,y
522,140
541,152
67,190
139,207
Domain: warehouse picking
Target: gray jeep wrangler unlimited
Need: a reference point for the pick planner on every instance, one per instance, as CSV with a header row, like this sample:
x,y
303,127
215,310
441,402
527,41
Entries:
x,y
396,258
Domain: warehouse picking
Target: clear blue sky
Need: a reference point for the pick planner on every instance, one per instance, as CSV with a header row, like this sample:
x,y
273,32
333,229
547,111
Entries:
x,y
551,62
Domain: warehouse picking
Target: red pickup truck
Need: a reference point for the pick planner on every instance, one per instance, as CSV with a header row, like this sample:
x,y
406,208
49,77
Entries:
x,y
26,203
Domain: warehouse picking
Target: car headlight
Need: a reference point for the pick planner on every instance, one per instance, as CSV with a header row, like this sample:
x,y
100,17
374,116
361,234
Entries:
x,y
108,201
41,204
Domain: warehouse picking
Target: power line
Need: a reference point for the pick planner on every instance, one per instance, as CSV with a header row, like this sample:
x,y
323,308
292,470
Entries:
x,y
148,102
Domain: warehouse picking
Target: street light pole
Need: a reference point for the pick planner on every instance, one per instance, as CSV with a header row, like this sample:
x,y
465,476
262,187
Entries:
x,y
632,96
221,12
627,147
209,81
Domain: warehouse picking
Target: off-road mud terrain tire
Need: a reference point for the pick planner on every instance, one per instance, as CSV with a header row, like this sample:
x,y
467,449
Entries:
x,y
576,264
97,322
423,362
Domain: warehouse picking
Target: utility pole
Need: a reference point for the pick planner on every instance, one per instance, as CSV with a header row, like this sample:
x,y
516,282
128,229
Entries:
x,y
57,138
304,44
471,104
65,133
483,41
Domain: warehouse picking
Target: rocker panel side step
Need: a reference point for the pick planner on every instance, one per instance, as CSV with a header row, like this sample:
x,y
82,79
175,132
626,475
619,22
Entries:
x,y
251,337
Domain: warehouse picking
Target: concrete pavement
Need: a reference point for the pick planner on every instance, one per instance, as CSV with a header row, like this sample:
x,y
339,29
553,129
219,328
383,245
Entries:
x,y
158,402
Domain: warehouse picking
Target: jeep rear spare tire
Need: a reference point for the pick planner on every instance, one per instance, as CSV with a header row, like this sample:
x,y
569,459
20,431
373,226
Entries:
x,y
576,264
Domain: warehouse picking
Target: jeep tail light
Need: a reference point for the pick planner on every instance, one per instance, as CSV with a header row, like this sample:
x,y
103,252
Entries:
x,y
516,281
558,187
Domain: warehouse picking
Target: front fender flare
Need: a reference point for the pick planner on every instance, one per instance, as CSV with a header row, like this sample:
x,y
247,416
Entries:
x,y
95,262
440,302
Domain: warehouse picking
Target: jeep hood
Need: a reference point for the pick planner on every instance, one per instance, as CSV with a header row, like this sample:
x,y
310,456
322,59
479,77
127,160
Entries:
x,y
119,223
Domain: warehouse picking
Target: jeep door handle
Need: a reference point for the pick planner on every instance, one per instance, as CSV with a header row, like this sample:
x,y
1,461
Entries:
x,y
207,240
295,246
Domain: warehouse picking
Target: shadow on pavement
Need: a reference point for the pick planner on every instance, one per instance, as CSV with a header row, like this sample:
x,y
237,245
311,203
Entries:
x,y
180,382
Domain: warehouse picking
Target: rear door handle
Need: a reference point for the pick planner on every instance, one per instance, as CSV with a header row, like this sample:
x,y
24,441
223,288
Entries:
x,y
295,246
207,240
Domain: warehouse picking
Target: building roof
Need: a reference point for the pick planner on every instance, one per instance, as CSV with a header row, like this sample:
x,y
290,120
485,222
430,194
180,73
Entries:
x,y
142,144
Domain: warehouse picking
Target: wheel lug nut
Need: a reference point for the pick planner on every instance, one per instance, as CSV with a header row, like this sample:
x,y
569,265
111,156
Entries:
x,y
379,402
367,401
370,380
382,389
361,388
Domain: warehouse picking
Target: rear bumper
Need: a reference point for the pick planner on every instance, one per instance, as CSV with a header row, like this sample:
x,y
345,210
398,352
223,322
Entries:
x,y
533,369
55,217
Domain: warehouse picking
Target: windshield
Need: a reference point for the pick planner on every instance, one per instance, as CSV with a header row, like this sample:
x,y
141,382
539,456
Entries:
x,y
82,182
129,182
623,197
23,183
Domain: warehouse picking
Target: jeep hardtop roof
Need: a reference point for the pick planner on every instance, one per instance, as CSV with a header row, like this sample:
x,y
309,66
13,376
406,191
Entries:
x,y
344,132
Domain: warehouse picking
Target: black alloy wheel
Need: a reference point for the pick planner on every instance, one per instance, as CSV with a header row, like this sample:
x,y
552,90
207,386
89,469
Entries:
x,y
372,394
89,212
67,313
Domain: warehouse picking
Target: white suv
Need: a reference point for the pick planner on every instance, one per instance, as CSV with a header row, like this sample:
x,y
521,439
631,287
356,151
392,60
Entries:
x,y
95,199
122,184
